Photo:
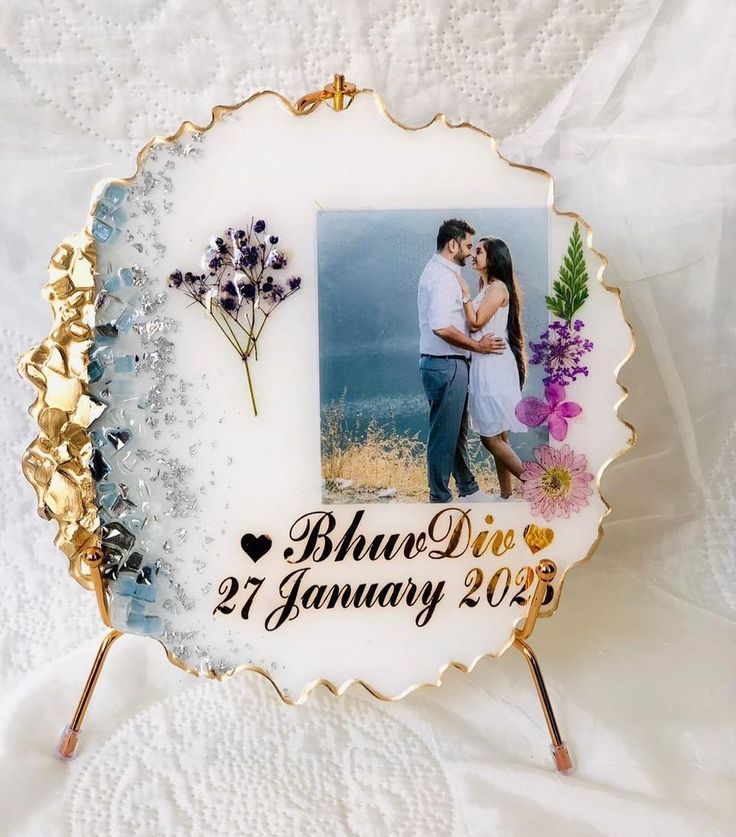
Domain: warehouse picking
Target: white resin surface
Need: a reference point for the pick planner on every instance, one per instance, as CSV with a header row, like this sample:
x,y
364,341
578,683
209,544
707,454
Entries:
x,y
260,474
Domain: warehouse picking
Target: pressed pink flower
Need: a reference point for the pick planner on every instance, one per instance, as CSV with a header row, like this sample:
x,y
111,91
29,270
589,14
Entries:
x,y
533,411
557,483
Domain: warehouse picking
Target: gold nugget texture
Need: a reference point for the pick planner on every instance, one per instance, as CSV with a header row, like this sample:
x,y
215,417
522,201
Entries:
x,y
56,463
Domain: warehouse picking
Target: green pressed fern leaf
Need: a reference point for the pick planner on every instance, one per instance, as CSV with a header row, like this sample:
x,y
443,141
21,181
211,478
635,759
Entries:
x,y
570,291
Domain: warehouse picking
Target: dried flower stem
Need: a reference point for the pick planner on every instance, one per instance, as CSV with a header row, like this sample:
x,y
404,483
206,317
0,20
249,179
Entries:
x,y
250,386
237,284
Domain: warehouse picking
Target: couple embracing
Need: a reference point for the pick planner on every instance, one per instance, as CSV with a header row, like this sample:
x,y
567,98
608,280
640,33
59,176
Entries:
x,y
472,360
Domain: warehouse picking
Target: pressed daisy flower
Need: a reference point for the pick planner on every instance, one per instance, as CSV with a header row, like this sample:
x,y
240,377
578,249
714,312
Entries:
x,y
557,483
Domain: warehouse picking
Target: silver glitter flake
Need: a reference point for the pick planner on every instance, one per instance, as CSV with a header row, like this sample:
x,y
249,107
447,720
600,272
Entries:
x,y
149,302
156,325
157,480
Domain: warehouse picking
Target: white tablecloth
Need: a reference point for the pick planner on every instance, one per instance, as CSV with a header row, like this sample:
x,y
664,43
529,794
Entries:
x,y
630,103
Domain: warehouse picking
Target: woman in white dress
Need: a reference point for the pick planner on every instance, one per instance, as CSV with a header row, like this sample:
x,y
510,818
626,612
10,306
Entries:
x,y
496,379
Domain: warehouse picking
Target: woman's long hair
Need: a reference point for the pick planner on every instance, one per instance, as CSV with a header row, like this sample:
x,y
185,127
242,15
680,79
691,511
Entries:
x,y
499,267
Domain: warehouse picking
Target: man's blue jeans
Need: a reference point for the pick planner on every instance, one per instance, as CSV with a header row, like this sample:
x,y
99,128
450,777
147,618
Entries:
x,y
445,383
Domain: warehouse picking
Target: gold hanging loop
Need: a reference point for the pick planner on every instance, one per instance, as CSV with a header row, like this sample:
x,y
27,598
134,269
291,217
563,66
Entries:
x,y
337,90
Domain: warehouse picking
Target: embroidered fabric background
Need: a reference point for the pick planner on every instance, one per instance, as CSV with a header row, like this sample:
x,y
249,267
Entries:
x,y
620,99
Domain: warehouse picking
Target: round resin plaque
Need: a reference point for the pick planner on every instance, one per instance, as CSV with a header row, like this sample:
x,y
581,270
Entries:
x,y
272,407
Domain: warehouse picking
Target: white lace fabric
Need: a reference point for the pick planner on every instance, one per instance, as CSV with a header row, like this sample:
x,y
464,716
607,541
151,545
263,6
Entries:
x,y
630,104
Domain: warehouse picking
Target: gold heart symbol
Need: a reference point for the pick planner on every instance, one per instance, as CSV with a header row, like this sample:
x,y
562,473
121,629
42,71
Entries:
x,y
537,538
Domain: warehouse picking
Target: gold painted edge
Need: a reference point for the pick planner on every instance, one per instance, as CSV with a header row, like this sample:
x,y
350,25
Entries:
x,y
218,111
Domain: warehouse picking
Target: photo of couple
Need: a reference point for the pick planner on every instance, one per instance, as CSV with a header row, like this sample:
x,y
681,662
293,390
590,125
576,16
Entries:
x,y
472,360
422,323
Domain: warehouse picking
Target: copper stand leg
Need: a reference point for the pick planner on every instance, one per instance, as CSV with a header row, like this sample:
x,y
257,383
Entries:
x,y
560,753
67,746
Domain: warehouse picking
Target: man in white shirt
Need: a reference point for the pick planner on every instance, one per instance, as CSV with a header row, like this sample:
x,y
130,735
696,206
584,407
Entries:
x,y
446,351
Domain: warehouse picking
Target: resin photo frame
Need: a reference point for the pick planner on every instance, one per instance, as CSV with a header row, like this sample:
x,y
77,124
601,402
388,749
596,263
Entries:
x,y
235,407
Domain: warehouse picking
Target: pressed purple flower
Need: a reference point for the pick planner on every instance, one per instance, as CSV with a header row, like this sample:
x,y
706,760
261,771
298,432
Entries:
x,y
554,410
246,258
228,301
211,259
560,349
276,260
234,238
278,292
234,265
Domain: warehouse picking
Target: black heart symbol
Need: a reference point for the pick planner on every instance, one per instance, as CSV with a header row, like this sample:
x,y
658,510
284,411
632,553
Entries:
x,y
255,547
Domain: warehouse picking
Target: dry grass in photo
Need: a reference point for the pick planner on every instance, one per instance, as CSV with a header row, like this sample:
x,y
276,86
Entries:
x,y
378,464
